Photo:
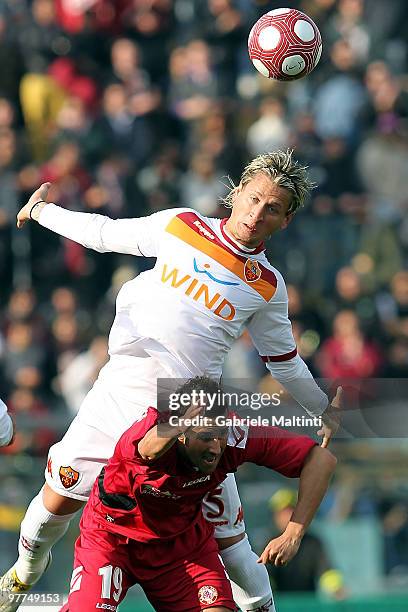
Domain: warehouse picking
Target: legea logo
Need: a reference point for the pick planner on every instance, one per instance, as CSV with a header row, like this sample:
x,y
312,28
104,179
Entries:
x,y
199,292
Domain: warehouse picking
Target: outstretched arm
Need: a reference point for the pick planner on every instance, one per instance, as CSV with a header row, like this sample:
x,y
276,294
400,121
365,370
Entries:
x,y
129,236
314,480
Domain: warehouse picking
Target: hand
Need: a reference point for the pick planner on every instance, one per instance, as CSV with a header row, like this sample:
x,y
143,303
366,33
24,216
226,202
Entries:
x,y
40,194
331,419
192,411
281,550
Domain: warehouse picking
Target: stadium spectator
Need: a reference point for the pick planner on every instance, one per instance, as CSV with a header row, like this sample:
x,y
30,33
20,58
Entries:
x,y
127,70
348,23
160,181
347,354
193,82
338,101
270,131
24,359
41,97
369,243
349,294
11,59
201,186
381,161
214,135
397,359
393,307
151,23
222,26
119,129
77,376
394,514
73,124
66,75
28,409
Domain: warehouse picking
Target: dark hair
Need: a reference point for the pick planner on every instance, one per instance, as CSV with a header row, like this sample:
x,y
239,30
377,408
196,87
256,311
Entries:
x,y
210,388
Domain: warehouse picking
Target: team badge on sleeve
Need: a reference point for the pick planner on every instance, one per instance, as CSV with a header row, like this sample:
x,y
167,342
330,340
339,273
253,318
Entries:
x,y
207,594
68,476
252,271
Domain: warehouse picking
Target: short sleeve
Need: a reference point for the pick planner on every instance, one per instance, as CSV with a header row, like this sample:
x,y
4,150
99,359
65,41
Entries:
x,y
278,450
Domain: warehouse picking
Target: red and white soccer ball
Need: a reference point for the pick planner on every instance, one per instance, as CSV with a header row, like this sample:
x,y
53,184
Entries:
x,y
285,44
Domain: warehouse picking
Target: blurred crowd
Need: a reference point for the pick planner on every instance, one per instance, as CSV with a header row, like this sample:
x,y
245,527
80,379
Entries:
x,y
133,106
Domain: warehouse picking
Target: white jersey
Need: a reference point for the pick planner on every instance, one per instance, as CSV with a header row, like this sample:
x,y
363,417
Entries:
x,y
189,309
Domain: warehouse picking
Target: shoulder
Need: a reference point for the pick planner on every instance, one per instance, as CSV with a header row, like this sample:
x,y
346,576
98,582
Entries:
x,y
272,275
163,217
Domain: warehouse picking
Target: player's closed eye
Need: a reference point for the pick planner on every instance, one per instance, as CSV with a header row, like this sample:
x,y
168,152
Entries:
x,y
206,437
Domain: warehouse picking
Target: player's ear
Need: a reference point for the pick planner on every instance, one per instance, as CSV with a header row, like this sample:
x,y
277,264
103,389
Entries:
x,y
182,438
288,218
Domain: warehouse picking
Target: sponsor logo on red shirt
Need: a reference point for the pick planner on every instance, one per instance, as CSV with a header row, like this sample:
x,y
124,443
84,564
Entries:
x,y
147,489
190,483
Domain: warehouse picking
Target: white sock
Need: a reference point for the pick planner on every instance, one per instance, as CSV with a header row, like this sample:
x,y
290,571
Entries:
x,y
39,531
249,580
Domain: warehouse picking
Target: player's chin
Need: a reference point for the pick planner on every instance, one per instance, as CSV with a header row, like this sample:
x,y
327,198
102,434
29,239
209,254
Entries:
x,y
248,235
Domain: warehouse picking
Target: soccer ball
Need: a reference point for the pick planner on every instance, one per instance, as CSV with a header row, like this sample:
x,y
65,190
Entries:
x,y
285,44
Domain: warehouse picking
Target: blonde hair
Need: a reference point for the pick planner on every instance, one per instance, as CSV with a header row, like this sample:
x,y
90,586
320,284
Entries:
x,y
283,170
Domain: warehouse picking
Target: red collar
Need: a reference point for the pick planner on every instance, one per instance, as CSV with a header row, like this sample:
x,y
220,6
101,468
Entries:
x,y
236,245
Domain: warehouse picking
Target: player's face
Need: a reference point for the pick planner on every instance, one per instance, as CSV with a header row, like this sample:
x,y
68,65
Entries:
x,y
260,208
204,447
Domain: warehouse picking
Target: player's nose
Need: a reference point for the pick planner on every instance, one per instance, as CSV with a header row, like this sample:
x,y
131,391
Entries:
x,y
257,213
215,446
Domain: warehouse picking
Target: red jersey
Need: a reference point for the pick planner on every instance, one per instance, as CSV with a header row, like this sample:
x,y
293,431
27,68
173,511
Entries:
x,y
148,501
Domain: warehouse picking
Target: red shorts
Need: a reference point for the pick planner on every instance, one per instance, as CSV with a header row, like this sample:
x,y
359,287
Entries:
x,y
107,564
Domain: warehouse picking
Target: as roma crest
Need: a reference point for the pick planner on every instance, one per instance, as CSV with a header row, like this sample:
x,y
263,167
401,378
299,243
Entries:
x,y
252,271
68,476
